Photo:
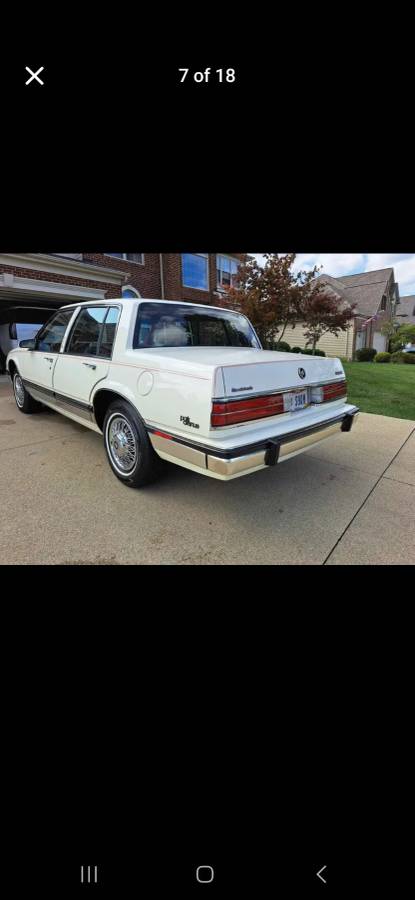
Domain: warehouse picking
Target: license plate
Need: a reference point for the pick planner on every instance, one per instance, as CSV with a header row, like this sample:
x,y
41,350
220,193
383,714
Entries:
x,y
295,400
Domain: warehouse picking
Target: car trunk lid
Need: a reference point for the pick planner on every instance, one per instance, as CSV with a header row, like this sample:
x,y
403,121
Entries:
x,y
276,371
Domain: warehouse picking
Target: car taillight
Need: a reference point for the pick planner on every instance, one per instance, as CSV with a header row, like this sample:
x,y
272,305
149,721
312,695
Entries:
x,y
327,392
246,410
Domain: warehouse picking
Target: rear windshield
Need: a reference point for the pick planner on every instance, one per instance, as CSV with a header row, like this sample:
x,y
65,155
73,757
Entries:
x,y
179,325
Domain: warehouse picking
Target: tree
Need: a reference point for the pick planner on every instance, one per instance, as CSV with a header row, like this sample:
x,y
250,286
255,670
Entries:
x,y
404,335
322,312
389,330
270,295
273,297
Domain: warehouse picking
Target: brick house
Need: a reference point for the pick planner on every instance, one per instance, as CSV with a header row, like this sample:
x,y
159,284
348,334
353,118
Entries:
x,y
32,285
195,277
376,295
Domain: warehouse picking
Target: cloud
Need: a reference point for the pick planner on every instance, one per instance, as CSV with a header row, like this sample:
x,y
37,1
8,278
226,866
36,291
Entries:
x,y
403,265
350,263
332,263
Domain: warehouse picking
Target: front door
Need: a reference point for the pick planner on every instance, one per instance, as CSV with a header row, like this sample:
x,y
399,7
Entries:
x,y
36,366
85,357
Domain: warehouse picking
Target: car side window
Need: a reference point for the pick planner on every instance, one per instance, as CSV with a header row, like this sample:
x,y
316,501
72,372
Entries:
x,y
108,330
50,337
93,332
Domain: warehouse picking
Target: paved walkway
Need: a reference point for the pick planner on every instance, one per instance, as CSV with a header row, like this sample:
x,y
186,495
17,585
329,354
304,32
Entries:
x,y
350,501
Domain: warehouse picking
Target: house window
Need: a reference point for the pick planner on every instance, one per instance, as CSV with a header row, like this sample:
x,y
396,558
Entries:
x,y
195,271
226,271
129,291
383,304
131,257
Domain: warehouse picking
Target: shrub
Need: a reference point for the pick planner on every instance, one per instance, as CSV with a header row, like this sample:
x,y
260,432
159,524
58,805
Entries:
x,y
296,350
398,357
409,358
366,354
282,346
383,357
309,352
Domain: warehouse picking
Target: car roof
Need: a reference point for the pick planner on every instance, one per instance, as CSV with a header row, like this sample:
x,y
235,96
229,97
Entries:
x,y
128,300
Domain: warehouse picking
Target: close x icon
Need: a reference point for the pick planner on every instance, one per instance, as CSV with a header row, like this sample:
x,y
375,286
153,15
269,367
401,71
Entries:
x,y
34,76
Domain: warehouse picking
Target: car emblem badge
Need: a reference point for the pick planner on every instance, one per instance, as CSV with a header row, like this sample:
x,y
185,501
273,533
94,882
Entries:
x,y
301,373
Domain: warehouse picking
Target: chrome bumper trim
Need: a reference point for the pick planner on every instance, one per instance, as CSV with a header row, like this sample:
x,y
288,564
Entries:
x,y
260,457
178,451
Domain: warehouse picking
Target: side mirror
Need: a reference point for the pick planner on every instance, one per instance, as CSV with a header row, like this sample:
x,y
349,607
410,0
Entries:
x,y
28,345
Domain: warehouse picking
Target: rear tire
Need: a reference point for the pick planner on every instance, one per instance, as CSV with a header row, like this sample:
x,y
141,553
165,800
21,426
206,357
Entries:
x,y
24,402
128,448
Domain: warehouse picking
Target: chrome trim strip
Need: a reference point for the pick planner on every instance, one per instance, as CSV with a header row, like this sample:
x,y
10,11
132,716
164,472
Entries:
x,y
179,451
73,408
43,393
237,465
295,387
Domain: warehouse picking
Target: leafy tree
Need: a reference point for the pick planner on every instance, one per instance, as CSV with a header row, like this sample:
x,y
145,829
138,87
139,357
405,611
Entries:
x,y
273,297
270,295
389,329
323,312
404,335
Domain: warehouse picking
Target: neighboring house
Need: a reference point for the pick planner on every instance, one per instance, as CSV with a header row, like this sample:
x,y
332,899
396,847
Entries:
x,y
376,296
405,313
32,285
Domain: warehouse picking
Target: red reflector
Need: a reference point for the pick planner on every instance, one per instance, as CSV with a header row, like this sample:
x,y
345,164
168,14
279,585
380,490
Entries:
x,y
162,434
246,410
334,391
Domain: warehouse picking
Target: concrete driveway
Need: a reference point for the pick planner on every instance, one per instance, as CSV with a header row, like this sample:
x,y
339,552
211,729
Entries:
x,y
350,501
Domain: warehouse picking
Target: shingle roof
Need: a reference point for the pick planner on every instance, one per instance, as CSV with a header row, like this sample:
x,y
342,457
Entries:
x,y
366,277
334,284
406,305
365,289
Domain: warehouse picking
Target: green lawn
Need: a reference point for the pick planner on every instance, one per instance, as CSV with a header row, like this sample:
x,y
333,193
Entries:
x,y
383,388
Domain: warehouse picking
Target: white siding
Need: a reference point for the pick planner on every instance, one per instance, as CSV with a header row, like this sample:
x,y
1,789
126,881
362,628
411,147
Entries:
x,y
332,345
379,342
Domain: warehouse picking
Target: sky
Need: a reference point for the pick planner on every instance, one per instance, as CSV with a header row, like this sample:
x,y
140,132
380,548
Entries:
x,y
350,263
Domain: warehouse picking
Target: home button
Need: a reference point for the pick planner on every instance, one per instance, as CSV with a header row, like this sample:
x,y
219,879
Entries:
x,y
205,874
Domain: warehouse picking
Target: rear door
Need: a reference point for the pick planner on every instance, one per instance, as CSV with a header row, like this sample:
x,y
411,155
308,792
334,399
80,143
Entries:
x,y
86,354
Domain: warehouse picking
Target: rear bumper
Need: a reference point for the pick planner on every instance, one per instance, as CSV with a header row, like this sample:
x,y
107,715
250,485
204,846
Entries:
x,y
244,460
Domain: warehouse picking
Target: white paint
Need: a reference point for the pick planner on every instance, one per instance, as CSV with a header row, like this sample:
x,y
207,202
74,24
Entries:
x,y
183,383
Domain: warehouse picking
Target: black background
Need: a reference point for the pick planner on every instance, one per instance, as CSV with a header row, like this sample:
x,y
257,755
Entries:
x,y
157,721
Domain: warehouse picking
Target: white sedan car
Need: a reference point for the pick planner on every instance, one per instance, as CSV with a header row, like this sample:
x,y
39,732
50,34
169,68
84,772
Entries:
x,y
181,382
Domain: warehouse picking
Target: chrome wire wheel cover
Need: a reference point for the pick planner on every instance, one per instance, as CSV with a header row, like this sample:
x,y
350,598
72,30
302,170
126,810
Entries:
x,y
122,444
18,390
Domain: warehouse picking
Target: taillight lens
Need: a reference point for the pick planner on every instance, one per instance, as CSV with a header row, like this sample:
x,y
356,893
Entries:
x,y
327,392
246,410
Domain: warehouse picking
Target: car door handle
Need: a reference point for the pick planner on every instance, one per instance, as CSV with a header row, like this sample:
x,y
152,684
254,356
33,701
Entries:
x,y
48,358
90,365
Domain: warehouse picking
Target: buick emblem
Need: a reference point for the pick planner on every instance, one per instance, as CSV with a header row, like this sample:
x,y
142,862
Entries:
x,y
301,373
